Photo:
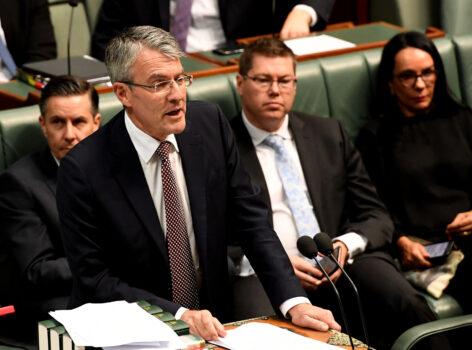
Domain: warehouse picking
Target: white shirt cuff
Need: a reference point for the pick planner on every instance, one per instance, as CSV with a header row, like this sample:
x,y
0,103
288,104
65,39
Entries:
x,y
355,243
180,312
310,10
288,304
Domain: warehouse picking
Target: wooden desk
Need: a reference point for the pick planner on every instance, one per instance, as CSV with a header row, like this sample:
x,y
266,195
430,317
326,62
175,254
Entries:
x,y
330,337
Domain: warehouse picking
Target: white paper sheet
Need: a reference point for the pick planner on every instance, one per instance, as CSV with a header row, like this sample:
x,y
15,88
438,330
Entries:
x,y
116,323
317,43
257,335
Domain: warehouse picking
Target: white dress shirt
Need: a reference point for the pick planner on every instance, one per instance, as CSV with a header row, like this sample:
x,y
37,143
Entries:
x,y
206,30
284,223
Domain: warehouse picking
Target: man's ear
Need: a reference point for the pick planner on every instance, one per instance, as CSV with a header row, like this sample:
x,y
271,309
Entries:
x,y
42,124
122,91
97,119
239,81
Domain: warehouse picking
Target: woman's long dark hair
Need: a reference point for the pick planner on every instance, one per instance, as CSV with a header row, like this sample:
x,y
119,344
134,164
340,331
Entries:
x,y
385,103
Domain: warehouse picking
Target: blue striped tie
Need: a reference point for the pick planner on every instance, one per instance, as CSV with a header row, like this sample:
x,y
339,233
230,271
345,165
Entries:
x,y
303,214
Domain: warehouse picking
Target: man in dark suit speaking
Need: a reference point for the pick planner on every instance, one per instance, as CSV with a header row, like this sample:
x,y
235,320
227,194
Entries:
x,y
35,275
324,188
149,202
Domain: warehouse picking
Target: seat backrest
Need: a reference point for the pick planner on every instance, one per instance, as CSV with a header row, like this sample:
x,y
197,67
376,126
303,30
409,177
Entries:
x,y
92,8
463,50
60,11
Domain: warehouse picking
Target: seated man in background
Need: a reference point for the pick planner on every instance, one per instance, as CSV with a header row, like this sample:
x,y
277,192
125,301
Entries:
x,y
282,149
201,25
35,274
26,35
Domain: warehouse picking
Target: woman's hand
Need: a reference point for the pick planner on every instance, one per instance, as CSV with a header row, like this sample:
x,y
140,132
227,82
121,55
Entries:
x,y
413,254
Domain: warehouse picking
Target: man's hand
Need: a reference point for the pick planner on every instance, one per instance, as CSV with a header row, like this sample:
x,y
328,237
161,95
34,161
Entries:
x,y
342,258
309,276
202,323
461,223
413,254
296,24
310,316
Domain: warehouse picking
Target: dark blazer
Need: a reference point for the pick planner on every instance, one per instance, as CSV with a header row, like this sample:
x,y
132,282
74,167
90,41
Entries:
x,y
31,248
28,30
240,18
342,194
112,235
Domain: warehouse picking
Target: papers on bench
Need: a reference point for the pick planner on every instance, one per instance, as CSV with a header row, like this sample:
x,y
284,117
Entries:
x,y
317,43
257,335
115,324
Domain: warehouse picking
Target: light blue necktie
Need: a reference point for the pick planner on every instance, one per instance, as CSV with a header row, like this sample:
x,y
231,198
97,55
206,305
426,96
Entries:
x,y
7,59
305,219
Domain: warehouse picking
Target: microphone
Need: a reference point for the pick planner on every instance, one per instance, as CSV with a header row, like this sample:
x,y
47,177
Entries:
x,y
73,4
307,246
325,246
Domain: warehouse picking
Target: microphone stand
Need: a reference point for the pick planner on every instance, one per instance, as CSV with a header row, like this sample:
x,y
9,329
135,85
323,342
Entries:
x,y
359,307
73,4
339,302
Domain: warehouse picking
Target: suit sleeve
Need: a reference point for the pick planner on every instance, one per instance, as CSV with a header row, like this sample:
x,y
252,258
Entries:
x,y
365,211
40,43
249,220
27,241
85,250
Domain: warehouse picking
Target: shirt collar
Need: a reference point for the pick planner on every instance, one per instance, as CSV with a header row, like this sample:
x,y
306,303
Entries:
x,y
145,144
258,135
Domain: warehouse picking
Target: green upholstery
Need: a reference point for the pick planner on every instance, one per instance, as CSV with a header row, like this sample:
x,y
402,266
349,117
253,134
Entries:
x,y
444,307
92,8
347,82
312,97
463,46
455,16
219,89
81,34
446,49
410,337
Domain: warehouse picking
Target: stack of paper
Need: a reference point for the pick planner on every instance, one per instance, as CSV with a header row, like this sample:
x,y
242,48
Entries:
x,y
257,335
317,43
117,325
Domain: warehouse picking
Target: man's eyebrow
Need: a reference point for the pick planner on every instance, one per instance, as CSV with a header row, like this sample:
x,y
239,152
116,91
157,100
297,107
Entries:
x,y
156,76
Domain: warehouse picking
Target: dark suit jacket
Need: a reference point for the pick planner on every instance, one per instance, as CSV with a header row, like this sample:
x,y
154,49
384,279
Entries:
x,y
112,235
31,248
240,18
28,30
342,194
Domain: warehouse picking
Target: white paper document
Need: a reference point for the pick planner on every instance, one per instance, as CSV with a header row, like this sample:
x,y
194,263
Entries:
x,y
115,324
317,43
257,335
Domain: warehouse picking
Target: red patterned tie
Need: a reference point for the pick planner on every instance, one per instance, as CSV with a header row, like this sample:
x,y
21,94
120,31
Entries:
x,y
182,269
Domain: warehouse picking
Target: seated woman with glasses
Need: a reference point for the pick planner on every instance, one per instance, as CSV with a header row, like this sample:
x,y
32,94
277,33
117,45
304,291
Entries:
x,y
418,151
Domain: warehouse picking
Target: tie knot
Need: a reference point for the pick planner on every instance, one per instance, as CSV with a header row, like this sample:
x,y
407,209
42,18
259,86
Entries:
x,y
163,150
275,142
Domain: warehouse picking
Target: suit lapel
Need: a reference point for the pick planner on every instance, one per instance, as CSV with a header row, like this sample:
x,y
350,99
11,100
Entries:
x,y
309,153
251,162
190,150
128,172
49,168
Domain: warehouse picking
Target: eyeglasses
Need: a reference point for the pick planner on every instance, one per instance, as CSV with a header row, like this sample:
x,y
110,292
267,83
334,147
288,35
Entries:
x,y
409,78
264,83
164,86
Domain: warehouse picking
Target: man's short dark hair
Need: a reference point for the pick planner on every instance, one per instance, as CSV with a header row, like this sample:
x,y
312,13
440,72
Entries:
x,y
268,47
67,85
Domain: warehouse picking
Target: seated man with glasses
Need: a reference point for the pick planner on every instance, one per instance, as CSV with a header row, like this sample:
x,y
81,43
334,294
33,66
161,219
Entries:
x,y
149,202
313,179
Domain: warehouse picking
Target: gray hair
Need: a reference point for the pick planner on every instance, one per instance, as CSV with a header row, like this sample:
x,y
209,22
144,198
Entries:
x,y
122,50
